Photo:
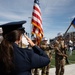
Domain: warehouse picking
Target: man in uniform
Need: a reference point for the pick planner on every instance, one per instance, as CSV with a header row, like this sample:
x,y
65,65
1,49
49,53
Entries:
x,y
45,47
60,55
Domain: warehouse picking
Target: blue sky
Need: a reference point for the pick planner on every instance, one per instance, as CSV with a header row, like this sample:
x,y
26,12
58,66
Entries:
x,y
56,14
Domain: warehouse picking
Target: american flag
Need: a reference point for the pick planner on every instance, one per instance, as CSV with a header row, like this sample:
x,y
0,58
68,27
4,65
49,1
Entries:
x,y
37,20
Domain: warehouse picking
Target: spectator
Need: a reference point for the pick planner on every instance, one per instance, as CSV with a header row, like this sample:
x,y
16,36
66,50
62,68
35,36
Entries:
x,y
70,47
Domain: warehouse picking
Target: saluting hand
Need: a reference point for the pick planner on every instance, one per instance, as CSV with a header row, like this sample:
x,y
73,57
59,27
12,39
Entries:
x,y
29,40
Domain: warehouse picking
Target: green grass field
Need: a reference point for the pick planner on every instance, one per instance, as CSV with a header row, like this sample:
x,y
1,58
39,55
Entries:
x,y
71,59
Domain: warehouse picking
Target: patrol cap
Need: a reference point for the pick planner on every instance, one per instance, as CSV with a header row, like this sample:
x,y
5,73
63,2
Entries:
x,y
8,27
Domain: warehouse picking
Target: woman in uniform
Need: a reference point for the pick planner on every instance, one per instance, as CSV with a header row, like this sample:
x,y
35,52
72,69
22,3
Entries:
x,y
15,60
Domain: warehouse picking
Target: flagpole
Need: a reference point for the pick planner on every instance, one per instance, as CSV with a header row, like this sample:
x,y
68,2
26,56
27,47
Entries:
x,y
67,30
72,23
30,26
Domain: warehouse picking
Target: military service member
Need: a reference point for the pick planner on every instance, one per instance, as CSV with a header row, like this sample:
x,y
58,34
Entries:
x,y
60,55
15,60
45,47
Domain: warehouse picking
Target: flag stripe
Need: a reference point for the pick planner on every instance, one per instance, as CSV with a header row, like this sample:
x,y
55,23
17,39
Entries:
x,y
37,8
36,14
35,24
35,28
38,32
36,21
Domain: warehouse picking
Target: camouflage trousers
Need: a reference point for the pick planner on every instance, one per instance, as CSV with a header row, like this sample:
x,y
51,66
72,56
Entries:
x,y
45,70
60,67
35,71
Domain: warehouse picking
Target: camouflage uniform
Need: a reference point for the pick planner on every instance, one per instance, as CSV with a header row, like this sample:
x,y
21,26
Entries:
x,y
45,70
60,57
